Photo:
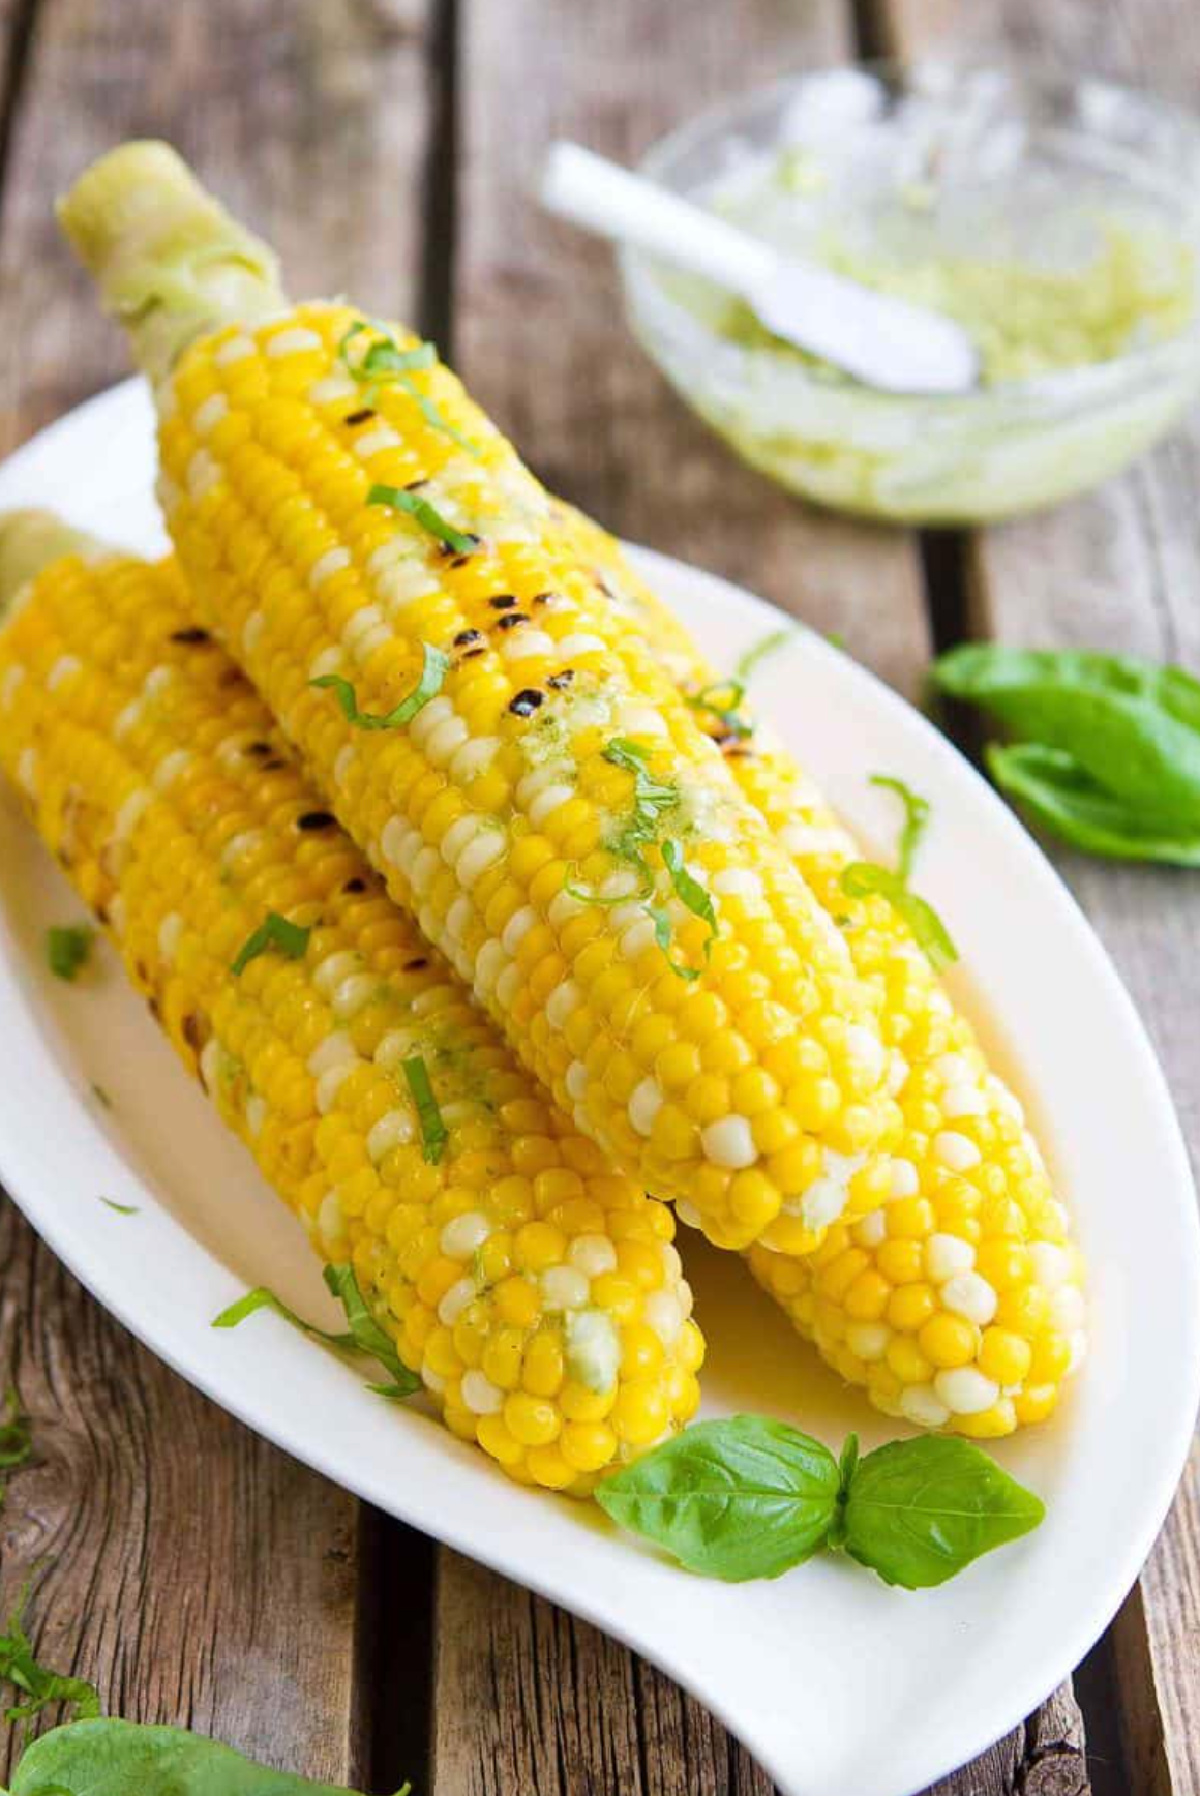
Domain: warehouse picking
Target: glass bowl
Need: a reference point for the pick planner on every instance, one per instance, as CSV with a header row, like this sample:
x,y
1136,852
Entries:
x,y
935,161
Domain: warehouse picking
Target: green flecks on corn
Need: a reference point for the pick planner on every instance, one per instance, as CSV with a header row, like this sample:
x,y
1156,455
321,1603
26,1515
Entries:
x,y
551,812
958,1301
535,1291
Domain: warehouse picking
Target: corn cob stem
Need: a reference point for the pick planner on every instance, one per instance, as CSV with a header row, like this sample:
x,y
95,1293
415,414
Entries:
x,y
537,1294
169,261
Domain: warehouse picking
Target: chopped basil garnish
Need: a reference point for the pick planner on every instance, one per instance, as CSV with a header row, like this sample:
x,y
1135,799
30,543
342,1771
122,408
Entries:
x,y
749,1497
68,946
691,893
916,819
866,879
41,1687
652,797
759,651
426,515
383,362
110,1755
111,1203
434,668
365,1334
434,1133
721,702
273,932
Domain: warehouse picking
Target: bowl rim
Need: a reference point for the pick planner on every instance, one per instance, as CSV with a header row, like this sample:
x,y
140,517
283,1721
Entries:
x,y
1088,384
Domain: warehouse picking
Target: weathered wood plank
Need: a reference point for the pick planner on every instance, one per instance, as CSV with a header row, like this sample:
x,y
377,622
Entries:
x,y
1119,569
194,1573
198,1575
538,335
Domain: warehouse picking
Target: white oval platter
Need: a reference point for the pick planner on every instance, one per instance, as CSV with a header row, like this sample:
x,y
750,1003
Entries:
x,y
840,1686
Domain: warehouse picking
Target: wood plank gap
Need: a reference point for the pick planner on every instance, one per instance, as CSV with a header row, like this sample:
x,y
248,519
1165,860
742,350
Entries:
x,y
435,290
17,20
393,1654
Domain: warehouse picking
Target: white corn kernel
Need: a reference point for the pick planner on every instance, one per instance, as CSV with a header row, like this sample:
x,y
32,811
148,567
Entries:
x,y
455,1301
729,1142
958,1152
921,1404
480,1395
645,1102
969,1294
966,1391
947,1255
563,1288
394,1128
593,1255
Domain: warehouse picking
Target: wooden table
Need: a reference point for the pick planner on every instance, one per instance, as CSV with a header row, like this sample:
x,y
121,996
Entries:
x,y
388,147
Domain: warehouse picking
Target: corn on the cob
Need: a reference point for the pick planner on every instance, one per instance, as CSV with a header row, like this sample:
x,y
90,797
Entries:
x,y
958,1302
546,806
536,1292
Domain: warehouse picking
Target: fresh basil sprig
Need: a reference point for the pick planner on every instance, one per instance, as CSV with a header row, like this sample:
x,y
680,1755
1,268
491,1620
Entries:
x,y
1066,802
1107,753
365,1334
121,1758
435,665
68,948
749,1497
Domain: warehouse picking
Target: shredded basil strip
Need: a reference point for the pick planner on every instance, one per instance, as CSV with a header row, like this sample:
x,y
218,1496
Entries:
x,y
864,879
68,948
728,715
652,797
434,1133
273,932
365,1334
759,651
916,820
435,665
384,362
426,515
121,1209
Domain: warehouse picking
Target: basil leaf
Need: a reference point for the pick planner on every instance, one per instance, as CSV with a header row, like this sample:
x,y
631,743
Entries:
x,y
918,1511
273,932
1054,791
434,1133
68,947
41,1686
736,1499
1133,727
434,667
864,879
916,820
426,515
120,1758
661,919
365,1335
758,652
368,1334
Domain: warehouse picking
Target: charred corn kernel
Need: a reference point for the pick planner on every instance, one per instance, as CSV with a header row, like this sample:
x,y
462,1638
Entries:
x,y
163,786
965,1167
322,543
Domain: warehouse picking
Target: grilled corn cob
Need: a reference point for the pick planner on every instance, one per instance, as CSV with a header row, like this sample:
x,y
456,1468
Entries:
x,y
375,555
536,1292
958,1301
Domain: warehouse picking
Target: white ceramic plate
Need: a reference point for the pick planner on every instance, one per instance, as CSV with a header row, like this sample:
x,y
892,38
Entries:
x,y
840,1686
